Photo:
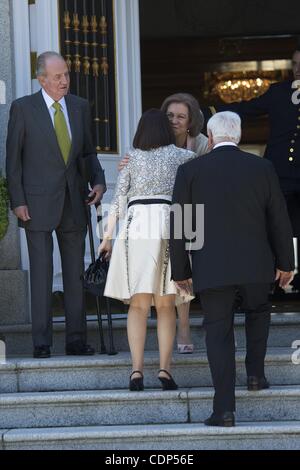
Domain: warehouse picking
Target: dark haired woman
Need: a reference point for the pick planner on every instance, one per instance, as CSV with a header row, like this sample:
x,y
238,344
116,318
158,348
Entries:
x,y
139,272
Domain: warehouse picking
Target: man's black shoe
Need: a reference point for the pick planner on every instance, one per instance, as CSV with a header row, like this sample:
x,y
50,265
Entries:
x,y
257,383
225,419
79,349
41,352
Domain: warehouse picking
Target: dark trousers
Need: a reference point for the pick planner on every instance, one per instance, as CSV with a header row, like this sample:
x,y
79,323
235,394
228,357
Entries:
x,y
217,305
71,241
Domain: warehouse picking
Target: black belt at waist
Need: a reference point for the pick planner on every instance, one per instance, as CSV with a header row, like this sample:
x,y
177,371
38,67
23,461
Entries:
x,y
149,201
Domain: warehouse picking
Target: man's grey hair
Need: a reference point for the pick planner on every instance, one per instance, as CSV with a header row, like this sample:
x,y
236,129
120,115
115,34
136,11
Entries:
x,y
225,126
42,59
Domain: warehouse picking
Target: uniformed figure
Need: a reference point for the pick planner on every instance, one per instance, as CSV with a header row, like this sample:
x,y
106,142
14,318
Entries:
x,y
282,104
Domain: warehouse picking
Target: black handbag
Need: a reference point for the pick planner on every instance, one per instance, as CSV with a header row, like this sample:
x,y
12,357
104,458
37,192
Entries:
x,y
94,278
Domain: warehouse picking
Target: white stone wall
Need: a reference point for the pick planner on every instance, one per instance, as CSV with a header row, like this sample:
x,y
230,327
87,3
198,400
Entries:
x,y
13,281
6,76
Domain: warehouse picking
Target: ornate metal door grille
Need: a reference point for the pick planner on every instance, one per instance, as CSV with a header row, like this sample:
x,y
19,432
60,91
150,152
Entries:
x,y
87,43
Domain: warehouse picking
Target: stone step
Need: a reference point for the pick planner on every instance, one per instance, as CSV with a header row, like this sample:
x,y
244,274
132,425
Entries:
x,y
285,328
244,436
102,372
120,407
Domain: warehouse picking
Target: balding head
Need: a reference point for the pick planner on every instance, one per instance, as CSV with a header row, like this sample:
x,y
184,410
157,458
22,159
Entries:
x,y
53,74
48,56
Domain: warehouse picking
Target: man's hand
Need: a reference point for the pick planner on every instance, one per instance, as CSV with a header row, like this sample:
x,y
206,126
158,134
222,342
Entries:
x,y
123,163
185,286
285,277
22,213
96,194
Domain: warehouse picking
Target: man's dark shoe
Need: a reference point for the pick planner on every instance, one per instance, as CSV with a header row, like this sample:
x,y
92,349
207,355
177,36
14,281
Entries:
x,y
257,383
79,349
41,352
225,419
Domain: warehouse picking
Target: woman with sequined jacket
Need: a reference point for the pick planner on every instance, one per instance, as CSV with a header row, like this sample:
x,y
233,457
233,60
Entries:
x,y
139,272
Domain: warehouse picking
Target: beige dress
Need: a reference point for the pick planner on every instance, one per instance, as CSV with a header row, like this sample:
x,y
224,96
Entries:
x,y
140,261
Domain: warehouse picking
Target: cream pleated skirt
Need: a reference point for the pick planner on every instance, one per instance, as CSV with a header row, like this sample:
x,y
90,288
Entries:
x,y
140,261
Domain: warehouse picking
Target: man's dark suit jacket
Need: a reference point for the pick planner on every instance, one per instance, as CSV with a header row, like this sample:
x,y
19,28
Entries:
x,y
247,231
36,172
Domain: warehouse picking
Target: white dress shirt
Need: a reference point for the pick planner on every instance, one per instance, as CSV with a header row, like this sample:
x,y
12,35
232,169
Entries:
x,y
221,144
49,102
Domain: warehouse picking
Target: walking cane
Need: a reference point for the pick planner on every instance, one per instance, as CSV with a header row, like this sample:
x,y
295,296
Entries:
x,y
111,351
92,249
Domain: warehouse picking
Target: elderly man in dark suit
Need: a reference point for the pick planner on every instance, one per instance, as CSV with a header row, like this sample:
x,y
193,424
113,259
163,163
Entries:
x,y
48,138
247,243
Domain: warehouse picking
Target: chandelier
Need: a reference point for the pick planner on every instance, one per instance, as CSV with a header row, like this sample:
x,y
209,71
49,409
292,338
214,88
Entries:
x,y
238,89
232,85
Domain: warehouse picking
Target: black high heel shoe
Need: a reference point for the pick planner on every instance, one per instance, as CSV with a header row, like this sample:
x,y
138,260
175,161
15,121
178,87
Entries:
x,y
137,384
167,383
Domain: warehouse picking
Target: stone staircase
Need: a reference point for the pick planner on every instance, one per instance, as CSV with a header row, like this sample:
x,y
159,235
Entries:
x,y
283,332
70,402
